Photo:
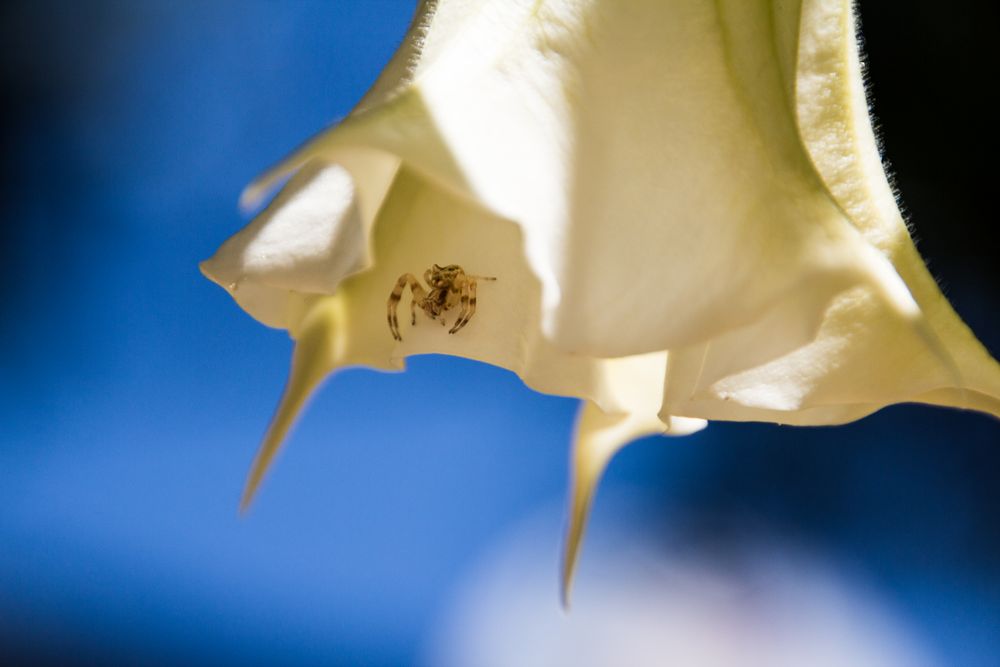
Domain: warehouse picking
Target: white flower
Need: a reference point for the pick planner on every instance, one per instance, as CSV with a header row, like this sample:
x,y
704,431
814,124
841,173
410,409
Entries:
x,y
682,201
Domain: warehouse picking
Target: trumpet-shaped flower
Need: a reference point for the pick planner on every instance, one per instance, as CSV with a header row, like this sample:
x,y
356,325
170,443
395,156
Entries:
x,y
682,202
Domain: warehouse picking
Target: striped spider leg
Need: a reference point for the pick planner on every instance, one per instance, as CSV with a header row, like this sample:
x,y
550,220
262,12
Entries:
x,y
468,301
416,289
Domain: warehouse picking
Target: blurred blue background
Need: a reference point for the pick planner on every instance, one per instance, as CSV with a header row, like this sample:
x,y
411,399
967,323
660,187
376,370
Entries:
x,y
133,392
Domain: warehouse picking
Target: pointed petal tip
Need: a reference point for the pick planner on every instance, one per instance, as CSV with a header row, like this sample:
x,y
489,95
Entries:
x,y
599,436
256,191
593,448
284,417
250,489
250,198
205,268
571,551
564,598
571,554
312,362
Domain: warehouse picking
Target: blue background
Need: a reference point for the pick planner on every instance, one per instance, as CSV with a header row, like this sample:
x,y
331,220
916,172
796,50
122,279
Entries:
x,y
133,392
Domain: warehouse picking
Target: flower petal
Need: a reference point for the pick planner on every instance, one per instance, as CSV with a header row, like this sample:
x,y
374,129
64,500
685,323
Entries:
x,y
863,356
418,225
833,117
599,436
313,359
682,203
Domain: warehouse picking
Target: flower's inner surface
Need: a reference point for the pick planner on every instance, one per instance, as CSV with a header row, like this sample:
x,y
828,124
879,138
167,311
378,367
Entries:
x,y
417,226
420,225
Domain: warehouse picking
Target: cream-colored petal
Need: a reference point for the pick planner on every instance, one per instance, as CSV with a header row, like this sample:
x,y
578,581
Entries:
x,y
419,225
530,123
833,116
315,233
507,104
863,357
309,238
861,360
597,438
316,351
432,30
682,203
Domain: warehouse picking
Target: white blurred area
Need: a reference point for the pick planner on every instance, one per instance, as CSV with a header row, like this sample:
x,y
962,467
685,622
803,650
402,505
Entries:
x,y
636,603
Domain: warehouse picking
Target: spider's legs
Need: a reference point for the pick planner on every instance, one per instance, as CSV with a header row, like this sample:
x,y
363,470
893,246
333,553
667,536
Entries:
x,y
397,294
468,300
468,304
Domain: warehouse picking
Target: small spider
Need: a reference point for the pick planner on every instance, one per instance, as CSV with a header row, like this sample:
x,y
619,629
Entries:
x,y
449,286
